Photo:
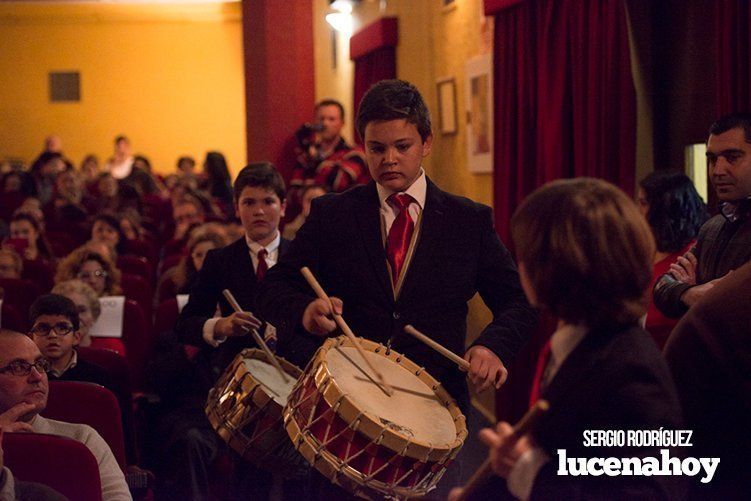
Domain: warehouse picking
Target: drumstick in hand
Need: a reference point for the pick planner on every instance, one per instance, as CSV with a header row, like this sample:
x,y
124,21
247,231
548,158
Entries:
x,y
437,347
259,340
385,387
483,472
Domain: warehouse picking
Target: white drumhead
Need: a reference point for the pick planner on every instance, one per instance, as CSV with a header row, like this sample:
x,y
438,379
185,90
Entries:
x,y
270,379
413,409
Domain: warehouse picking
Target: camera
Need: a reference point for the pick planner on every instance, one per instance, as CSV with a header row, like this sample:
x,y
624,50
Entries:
x,y
306,134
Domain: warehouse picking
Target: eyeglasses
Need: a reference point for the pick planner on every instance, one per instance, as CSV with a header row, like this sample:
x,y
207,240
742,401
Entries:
x,y
61,329
23,368
98,274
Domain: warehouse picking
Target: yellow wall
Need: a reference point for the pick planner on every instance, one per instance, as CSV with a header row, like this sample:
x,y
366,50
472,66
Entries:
x,y
168,76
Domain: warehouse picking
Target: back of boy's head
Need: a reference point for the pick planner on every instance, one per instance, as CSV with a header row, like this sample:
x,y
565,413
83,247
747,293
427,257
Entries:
x,y
586,250
393,100
54,304
261,175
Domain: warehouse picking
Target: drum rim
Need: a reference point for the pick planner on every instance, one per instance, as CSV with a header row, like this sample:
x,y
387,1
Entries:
x,y
372,427
259,396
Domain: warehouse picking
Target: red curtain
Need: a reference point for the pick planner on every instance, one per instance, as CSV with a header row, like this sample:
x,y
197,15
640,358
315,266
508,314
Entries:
x,y
565,99
379,64
732,20
565,107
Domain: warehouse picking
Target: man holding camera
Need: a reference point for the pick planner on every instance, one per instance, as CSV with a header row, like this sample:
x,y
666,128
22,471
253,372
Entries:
x,y
324,156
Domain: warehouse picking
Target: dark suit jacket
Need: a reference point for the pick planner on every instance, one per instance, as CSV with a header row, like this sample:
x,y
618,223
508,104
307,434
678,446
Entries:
x,y
709,354
614,379
227,268
458,254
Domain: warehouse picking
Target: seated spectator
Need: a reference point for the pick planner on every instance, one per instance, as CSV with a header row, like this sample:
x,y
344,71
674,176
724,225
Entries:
x,y
187,213
309,192
106,229
92,268
198,246
44,171
120,164
89,170
11,264
218,182
89,309
186,168
11,488
28,238
55,330
23,396
675,212
130,225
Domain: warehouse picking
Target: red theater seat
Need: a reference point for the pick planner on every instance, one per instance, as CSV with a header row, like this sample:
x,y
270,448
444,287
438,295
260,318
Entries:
x,y
64,464
91,404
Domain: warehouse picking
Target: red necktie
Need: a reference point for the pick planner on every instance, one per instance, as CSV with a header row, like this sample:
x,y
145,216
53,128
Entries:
x,y
400,234
542,363
263,266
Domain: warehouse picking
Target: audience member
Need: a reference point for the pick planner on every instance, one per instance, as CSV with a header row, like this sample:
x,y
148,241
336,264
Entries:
x,y
675,212
724,242
106,229
11,264
198,246
709,354
120,164
130,225
309,192
218,182
92,268
27,238
90,170
186,167
55,330
585,254
89,309
44,171
23,396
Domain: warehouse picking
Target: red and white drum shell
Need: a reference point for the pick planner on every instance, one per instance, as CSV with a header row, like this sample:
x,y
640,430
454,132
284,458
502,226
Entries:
x,y
369,443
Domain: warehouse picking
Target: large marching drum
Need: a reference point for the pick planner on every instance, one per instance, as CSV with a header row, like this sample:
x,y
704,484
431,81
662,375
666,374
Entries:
x,y
369,443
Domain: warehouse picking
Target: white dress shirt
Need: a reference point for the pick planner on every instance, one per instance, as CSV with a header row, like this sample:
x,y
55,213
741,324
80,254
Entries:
x,y
254,247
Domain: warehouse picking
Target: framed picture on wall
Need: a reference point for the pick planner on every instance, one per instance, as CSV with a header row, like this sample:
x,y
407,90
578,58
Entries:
x,y
447,106
478,73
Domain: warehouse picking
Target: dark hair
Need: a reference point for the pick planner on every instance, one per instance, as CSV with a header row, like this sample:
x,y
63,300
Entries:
x,y
186,159
121,138
42,160
54,304
676,211
261,174
186,272
331,102
43,246
219,180
740,120
393,100
144,160
586,250
113,221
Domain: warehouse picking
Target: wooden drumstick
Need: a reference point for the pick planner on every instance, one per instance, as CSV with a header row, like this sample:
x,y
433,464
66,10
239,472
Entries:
x,y
259,340
385,387
484,471
437,347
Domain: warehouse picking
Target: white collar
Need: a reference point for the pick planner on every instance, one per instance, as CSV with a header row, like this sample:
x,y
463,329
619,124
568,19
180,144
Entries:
x,y
417,190
271,248
565,339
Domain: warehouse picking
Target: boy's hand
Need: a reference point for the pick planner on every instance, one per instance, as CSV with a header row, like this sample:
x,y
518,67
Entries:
x,y
318,316
485,368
